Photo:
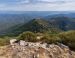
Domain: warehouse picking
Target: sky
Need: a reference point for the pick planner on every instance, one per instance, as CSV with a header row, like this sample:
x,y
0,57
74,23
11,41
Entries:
x,y
37,5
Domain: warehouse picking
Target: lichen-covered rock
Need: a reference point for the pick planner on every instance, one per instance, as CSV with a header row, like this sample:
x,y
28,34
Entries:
x,y
53,51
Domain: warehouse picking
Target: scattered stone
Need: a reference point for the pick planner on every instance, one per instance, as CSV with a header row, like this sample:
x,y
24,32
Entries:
x,y
36,50
22,43
12,41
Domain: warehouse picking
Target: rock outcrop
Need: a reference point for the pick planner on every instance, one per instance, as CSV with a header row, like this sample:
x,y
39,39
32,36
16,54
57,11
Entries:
x,y
27,51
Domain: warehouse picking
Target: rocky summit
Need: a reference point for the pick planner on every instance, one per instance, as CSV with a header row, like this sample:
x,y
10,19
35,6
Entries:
x,y
36,50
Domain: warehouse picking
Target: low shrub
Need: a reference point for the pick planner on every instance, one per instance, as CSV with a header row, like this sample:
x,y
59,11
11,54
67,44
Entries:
x,y
50,38
68,38
4,41
28,36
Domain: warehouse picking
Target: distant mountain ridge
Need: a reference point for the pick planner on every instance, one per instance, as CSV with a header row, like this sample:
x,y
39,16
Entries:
x,y
35,25
49,20
9,19
63,22
55,24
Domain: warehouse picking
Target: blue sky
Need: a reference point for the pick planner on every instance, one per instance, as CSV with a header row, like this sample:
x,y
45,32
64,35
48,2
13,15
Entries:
x,y
37,5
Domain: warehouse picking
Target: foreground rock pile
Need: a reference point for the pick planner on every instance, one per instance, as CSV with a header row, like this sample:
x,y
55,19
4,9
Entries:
x,y
33,51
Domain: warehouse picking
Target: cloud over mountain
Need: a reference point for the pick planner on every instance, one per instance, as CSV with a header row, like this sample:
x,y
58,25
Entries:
x,y
37,5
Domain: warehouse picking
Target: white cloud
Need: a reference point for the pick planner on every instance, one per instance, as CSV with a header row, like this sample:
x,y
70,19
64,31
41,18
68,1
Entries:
x,y
56,0
68,5
24,1
48,0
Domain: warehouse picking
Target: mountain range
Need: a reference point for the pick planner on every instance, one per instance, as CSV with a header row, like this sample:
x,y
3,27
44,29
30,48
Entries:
x,y
16,23
53,25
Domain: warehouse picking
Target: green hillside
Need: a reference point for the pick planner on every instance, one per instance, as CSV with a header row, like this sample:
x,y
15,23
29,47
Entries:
x,y
53,25
35,25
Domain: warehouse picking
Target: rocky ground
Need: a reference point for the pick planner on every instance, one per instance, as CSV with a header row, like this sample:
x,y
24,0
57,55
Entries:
x,y
49,51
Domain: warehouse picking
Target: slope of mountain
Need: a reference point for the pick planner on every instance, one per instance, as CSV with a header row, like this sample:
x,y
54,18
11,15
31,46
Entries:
x,y
12,18
9,20
15,17
62,22
55,24
53,21
35,25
